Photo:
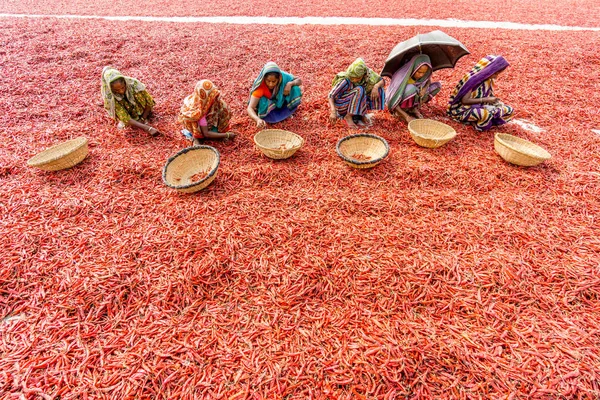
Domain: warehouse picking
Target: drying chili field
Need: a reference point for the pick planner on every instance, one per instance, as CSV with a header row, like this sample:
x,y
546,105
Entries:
x,y
442,273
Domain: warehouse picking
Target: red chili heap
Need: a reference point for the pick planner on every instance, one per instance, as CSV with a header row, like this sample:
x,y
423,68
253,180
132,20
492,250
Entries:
x,y
360,157
199,176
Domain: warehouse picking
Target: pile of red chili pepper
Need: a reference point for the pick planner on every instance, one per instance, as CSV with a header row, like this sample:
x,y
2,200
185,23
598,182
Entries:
x,y
199,176
360,157
443,273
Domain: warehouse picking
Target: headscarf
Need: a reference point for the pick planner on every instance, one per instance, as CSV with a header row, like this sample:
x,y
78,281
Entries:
x,y
482,71
358,69
268,68
197,105
133,86
278,99
400,79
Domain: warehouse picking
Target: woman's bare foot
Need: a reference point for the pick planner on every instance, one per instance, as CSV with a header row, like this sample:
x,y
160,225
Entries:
x,y
403,115
196,142
366,120
350,122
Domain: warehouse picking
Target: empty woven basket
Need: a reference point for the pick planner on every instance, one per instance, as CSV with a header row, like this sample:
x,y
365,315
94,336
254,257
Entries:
x,y
277,143
191,169
362,150
429,133
62,156
519,151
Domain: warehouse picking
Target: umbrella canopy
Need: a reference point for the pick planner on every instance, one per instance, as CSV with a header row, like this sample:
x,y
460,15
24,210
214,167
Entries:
x,y
443,50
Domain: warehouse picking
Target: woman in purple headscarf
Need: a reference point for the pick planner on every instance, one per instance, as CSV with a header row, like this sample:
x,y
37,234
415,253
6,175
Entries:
x,y
473,101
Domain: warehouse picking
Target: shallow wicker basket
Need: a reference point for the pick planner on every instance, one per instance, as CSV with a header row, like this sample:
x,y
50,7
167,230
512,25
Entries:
x,y
180,168
371,149
61,156
429,133
519,151
277,143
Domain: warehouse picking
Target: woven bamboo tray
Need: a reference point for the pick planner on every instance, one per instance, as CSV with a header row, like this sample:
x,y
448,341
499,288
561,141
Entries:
x,y
362,150
519,151
181,169
62,156
277,143
429,133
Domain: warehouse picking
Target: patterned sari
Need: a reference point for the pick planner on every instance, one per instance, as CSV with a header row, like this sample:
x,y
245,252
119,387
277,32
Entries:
x,y
279,106
205,102
406,92
355,98
132,104
477,82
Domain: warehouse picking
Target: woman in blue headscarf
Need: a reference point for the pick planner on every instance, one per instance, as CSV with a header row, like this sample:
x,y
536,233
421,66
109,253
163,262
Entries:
x,y
275,95
411,87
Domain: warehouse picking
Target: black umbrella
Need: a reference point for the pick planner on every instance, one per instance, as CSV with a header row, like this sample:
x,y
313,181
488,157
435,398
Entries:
x,y
443,50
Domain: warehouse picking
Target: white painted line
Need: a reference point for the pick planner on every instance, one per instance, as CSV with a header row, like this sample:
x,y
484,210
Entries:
x,y
527,125
596,131
246,20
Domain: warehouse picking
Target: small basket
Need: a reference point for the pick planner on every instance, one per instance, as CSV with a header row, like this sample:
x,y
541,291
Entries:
x,y
362,150
277,143
179,169
429,133
519,151
61,156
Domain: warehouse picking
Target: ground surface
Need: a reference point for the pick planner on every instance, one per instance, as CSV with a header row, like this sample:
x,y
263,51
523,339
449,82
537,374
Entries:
x,y
438,274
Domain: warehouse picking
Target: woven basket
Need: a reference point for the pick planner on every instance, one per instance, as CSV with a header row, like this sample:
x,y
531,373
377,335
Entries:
x,y
429,133
277,143
61,156
519,151
179,169
362,150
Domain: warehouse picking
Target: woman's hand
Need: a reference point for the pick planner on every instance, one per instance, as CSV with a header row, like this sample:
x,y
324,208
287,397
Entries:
x,y
153,131
423,91
261,124
287,88
333,117
489,100
374,93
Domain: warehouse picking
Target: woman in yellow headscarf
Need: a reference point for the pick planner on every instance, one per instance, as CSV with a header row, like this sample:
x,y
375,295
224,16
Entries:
x,y
354,92
205,114
126,100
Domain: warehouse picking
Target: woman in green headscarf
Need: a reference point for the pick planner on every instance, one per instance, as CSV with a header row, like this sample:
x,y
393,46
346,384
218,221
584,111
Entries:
x,y
126,100
275,95
411,87
354,92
